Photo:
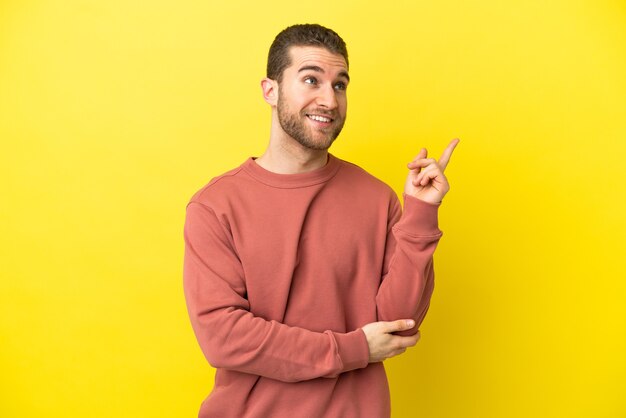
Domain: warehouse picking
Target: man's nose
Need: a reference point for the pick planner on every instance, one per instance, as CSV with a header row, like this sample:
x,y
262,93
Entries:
x,y
327,97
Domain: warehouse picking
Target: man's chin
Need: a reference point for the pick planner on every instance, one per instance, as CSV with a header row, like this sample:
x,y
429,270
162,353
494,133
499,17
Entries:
x,y
320,144
317,146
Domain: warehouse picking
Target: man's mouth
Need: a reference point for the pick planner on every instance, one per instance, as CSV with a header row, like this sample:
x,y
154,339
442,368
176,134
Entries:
x,y
320,118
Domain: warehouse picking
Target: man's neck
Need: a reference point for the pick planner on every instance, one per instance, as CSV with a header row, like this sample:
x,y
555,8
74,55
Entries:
x,y
289,157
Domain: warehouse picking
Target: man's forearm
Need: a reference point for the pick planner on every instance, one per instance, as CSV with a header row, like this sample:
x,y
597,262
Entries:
x,y
408,283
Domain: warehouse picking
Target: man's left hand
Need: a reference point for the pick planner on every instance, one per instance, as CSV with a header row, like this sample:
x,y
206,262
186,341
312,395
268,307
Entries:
x,y
426,180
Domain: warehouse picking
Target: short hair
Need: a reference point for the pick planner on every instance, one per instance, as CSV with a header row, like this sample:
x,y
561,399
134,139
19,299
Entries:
x,y
301,35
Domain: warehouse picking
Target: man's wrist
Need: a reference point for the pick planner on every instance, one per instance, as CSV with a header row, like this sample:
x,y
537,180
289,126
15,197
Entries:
x,y
353,349
419,218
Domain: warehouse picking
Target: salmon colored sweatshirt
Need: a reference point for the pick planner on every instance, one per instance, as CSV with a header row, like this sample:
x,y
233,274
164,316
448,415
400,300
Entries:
x,y
281,271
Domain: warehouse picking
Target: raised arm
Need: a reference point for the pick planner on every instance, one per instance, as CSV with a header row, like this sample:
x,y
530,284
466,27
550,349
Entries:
x,y
408,275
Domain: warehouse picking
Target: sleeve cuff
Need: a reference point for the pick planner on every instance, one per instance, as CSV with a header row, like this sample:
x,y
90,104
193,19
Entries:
x,y
353,349
419,218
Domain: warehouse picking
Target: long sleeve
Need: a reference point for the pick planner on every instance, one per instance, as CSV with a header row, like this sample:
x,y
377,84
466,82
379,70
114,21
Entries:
x,y
230,336
408,275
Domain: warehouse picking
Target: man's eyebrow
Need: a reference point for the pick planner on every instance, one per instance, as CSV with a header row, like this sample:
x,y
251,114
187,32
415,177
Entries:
x,y
321,70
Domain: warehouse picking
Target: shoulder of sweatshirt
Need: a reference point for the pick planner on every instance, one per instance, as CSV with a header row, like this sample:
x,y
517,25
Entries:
x,y
368,180
206,193
220,186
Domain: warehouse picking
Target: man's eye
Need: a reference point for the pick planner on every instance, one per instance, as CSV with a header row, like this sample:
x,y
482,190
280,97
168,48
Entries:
x,y
310,80
340,86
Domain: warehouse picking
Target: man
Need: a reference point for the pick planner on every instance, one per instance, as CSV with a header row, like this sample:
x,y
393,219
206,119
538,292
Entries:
x,y
301,273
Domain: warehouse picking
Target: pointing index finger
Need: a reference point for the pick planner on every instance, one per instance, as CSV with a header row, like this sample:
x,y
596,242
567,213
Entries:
x,y
447,153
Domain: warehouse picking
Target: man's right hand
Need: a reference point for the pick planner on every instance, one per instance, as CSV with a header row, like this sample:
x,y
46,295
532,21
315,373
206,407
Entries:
x,y
383,344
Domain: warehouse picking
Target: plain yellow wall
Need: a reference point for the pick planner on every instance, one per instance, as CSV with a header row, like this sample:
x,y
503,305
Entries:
x,y
112,113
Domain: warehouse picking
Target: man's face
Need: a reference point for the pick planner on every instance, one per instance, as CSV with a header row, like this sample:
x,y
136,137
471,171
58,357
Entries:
x,y
312,100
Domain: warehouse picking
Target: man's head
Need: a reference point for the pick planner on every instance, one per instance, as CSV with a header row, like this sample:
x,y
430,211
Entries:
x,y
306,84
301,35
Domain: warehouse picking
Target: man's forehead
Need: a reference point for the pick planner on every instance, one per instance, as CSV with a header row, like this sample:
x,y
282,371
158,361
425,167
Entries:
x,y
316,56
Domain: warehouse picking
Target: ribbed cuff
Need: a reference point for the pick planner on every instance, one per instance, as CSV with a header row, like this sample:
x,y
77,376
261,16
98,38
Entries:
x,y
353,349
419,218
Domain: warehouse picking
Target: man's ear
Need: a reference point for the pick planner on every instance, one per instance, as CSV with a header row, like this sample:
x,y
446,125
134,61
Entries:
x,y
270,91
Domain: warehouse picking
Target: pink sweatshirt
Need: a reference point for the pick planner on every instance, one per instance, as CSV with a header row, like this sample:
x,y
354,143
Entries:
x,y
280,274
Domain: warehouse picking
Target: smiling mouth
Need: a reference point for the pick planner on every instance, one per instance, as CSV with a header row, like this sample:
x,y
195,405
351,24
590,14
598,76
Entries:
x,y
319,118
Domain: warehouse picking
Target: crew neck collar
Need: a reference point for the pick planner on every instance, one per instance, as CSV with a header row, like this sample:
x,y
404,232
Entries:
x,y
291,181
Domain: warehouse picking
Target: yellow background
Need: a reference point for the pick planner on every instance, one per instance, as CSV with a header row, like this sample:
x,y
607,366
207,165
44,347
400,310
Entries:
x,y
112,113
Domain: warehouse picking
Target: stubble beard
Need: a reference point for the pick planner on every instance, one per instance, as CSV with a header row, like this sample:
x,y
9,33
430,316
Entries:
x,y
295,125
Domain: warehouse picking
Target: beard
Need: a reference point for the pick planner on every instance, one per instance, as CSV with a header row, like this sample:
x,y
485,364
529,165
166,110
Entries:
x,y
296,126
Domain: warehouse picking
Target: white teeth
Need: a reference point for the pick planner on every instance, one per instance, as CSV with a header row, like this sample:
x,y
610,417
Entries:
x,y
319,118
